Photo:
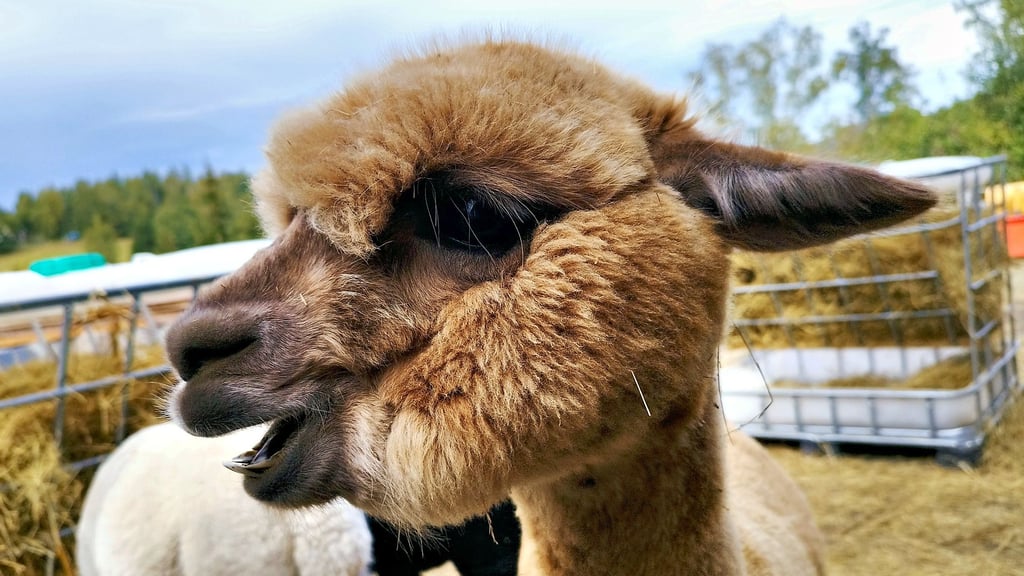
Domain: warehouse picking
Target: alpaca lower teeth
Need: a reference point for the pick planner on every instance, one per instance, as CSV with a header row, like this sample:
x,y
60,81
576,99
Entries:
x,y
243,464
260,457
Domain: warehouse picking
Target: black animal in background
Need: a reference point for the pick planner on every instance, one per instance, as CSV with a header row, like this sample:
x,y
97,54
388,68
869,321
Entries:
x,y
481,546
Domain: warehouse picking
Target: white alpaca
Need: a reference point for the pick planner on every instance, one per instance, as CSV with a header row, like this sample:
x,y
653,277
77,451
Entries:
x,y
163,505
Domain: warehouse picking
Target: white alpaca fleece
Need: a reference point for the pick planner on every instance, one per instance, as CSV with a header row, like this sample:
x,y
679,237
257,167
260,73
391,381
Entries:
x,y
163,505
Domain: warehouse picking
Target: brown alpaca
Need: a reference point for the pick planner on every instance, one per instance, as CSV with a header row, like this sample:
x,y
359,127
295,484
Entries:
x,y
500,268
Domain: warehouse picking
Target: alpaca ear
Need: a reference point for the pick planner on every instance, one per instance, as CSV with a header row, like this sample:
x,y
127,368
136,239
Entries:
x,y
768,201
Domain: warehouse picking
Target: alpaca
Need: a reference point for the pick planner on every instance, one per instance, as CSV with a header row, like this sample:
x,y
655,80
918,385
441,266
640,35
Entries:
x,y
482,546
162,505
500,268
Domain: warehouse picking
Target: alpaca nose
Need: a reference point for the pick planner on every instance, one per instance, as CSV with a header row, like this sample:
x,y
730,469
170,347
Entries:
x,y
204,336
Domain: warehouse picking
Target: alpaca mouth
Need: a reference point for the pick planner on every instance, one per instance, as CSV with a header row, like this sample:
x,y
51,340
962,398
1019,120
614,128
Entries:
x,y
261,457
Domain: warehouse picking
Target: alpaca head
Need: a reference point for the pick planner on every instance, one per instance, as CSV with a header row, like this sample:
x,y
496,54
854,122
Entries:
x,y
483,255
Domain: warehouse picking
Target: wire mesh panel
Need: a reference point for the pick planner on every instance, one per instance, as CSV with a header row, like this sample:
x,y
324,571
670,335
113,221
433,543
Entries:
x,y
81,367
78,374
901,337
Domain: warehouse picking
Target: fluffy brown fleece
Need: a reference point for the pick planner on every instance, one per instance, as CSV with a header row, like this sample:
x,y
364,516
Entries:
x,y
563,351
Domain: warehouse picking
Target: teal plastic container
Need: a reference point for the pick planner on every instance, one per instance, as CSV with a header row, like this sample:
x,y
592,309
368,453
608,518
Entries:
x,y
62,264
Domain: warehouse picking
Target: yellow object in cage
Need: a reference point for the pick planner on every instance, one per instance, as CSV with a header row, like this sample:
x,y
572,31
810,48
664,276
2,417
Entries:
x,y
1014,192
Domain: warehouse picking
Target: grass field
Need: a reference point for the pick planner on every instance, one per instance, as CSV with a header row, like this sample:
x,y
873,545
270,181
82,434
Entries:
x,y
21,258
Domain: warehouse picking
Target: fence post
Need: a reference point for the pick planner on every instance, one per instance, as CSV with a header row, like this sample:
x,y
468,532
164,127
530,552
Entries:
x,y
62,373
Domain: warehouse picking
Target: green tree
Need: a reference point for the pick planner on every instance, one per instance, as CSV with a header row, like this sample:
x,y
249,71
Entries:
x,y
144,235
101,237
715,81
8,232
48,214
114,206
23,216
139,208
771,80
882,83
174,185
999,25
212,208
154,186
158,213
82,204
244,224
998,69
175,225
962,128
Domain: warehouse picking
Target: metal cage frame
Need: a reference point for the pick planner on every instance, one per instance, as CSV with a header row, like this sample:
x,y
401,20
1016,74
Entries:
x,y
953,422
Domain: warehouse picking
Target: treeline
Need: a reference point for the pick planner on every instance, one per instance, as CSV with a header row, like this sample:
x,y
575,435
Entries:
x,y
158,213
779,86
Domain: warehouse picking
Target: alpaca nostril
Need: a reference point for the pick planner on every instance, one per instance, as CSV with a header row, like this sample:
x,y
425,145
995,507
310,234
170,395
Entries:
x,y
193,357
200,338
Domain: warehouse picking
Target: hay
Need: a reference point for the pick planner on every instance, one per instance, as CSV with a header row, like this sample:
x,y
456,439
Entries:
x,y
908,516
950,374
38,496
939,250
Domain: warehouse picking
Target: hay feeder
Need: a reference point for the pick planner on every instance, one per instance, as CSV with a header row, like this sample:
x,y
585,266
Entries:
x,y
901,338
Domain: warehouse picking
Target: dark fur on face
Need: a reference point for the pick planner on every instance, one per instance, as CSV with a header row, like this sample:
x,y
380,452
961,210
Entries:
x,y
485,255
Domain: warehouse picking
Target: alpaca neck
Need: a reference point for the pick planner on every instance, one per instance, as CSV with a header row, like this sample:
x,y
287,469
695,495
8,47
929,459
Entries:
x,y
657,510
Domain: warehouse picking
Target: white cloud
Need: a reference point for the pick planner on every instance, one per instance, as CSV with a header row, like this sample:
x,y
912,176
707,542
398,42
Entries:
x,y
173,113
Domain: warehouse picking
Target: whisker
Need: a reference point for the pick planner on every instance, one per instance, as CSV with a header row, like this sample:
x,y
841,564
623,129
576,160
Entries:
x,y
642,399
512,218
433,215
469,228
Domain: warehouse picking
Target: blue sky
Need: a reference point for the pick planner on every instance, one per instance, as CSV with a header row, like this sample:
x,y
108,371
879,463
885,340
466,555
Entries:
x,y
89,88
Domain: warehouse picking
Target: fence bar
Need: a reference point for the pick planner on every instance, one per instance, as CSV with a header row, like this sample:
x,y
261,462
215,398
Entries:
x,y
129,360
865,317
62,373
835,283
60,393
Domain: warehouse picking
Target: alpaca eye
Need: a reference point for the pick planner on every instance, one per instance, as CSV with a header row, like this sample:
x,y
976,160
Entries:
x,y
459,220
459,217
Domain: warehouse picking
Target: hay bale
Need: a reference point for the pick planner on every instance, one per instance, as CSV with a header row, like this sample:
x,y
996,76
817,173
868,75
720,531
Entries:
x,y
949,374
38,496
860,260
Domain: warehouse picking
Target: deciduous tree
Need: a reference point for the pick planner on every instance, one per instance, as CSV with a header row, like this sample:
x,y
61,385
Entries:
x,y
768,83
881,81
